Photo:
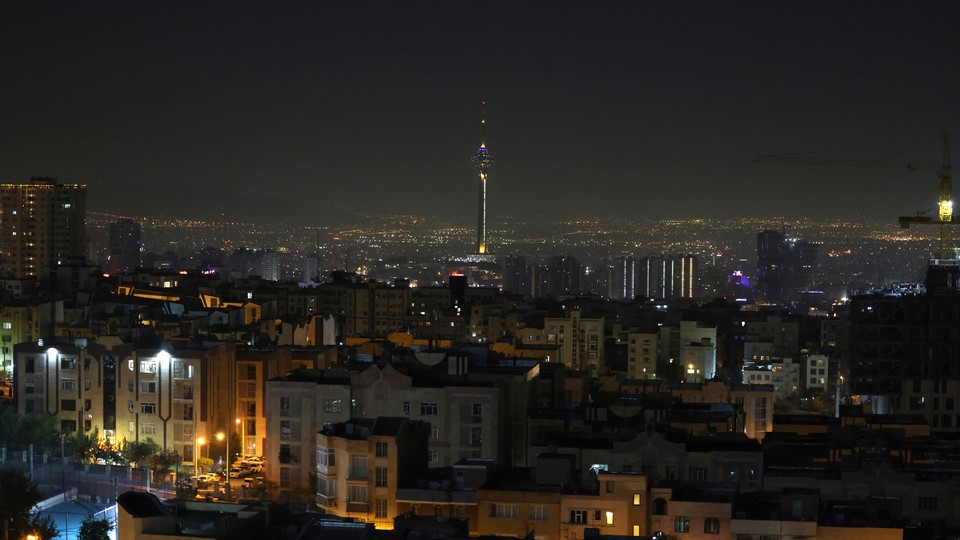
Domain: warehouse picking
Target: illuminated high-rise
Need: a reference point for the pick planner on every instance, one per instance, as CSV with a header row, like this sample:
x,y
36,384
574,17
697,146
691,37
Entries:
x,y
770,264
125,245
42,223
482,161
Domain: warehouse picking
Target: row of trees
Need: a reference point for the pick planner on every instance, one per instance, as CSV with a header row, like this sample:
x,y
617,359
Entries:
x,y
18,432
86,447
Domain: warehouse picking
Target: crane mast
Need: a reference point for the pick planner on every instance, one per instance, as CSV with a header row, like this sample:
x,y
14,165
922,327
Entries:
x,y
945,219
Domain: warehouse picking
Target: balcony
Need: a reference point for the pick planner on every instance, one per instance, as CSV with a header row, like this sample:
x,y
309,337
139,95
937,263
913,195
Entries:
x,y
359,474
419,496
288,459
363,507
327,501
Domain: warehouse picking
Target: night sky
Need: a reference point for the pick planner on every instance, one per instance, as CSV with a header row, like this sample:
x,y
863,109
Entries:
x,y
296,110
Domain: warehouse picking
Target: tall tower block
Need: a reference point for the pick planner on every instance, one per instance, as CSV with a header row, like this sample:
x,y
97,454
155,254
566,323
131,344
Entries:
x,y
42,223
482,161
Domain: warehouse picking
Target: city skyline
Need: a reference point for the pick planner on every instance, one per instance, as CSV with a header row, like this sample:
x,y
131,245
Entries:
x,y
250,112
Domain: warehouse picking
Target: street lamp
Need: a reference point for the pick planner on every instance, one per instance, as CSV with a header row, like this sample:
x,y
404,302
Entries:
x,y
243,438
220,437
197,443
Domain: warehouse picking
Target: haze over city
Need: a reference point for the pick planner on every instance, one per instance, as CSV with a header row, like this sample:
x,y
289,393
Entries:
x,y
546,270
307,112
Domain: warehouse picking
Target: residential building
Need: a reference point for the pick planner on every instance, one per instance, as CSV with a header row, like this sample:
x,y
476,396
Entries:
x,y
580,341
642,351
361,463
42,223
125,247
125,393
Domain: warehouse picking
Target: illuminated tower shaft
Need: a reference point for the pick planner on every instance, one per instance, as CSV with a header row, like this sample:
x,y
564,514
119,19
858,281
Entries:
x,y
482,161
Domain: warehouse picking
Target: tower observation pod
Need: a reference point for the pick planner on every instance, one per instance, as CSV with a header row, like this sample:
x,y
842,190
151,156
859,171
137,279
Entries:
x,y
482,160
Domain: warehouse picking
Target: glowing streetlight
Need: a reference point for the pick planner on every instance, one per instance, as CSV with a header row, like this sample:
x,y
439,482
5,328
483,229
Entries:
x,y
220,437
197,443
243,437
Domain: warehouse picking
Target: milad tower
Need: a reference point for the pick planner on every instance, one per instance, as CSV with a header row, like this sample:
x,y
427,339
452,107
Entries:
x,y
482,161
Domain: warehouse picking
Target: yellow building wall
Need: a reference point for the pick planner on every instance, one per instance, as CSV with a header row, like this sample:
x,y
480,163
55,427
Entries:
x,y
858,533
524,522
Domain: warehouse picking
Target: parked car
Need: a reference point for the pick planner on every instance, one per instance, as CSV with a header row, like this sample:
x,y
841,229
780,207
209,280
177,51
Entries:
x,y
206,478
237,472
253,483
252,465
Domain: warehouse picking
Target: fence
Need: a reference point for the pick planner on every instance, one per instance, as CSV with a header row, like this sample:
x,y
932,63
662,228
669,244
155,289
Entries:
x,y
98,483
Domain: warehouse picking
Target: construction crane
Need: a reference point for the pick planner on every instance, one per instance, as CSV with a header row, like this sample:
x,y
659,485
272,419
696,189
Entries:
x,y
816,158
945,218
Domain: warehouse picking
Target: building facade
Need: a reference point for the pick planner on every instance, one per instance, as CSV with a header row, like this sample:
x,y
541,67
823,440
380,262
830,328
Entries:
x,y
42,223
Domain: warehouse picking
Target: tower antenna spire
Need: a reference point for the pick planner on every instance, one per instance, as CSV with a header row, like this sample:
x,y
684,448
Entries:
x,y
483,121
482,161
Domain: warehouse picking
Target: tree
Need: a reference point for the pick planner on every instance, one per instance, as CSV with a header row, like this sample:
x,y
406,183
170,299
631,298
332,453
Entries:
x,y
43,527
18,431
83,446
94,529
204,464
109,453
18,497
164,460
140,452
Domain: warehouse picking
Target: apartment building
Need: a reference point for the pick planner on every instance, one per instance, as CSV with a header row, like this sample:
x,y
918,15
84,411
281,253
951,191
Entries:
x,y
471,414
642,351
580,341
756,401
172,396
361,463
51,380
42,223
546,503
688,511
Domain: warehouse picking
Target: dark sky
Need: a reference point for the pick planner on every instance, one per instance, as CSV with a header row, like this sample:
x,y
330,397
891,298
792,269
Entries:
x,y
289,110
